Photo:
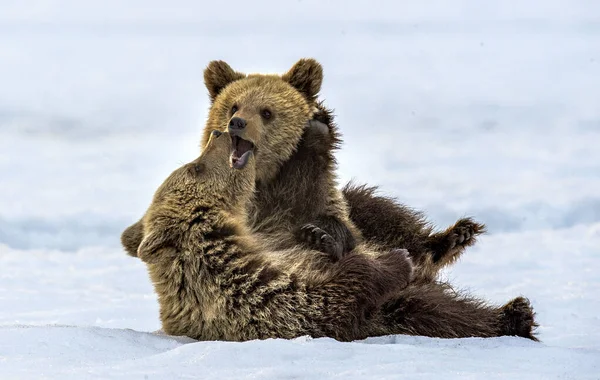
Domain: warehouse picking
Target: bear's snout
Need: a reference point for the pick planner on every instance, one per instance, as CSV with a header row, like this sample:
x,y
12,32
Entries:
x,y
236,124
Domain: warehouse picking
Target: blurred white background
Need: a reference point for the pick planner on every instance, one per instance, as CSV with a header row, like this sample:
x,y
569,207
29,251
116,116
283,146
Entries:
x,y
466,107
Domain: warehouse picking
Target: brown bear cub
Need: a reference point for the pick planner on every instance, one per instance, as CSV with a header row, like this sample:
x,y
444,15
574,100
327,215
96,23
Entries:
x,y
300,171
296,199
215,283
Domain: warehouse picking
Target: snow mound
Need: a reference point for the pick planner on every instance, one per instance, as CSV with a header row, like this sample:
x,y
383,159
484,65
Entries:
x,y
69,352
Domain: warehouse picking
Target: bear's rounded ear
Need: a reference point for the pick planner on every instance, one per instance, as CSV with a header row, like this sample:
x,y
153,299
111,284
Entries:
x,y
132,237
306,76
152,247
217,75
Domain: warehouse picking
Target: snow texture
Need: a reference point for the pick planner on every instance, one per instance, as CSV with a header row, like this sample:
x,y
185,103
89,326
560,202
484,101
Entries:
x,y
487,109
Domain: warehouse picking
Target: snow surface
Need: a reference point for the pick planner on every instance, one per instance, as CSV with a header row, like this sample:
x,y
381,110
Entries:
x,y
474,108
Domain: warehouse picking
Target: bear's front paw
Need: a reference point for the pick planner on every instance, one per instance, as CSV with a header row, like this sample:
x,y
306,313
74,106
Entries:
x,y
315,126
318,239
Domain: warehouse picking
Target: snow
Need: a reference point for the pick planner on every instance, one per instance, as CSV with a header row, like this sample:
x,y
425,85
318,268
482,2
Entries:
x,y
68,352
490,111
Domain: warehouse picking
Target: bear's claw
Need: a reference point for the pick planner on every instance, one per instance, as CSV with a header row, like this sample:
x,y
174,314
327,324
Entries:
x,y
320,240
464,232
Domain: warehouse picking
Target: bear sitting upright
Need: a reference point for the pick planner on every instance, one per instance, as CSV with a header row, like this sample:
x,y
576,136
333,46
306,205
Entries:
x,y
297,200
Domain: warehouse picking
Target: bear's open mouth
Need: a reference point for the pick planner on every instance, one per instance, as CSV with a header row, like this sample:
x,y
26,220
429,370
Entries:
x,y
240,151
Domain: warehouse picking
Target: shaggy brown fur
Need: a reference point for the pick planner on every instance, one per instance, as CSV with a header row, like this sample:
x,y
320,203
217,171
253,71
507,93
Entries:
x,y
434,309
297,170
296,199
286,185
387,223
215,281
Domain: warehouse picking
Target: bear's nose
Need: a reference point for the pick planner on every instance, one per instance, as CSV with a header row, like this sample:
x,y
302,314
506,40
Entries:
x,y
237,123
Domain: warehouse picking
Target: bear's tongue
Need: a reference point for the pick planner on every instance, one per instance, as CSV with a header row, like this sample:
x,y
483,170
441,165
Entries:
x,y
240,152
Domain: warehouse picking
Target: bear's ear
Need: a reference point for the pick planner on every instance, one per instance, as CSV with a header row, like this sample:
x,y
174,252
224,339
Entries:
x,y
132,237
217,75
153,247
306,76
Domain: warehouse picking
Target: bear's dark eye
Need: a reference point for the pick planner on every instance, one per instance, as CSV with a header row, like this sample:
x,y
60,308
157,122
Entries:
x,y
234,109
198,168
266,114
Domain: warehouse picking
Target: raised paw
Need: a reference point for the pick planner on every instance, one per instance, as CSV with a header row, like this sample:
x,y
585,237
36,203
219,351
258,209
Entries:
x,y
316,138
519,318
318,239
463,233
316,126
447,246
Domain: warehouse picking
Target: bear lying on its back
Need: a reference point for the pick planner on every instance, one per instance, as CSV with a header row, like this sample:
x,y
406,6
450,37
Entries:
x,y
215,282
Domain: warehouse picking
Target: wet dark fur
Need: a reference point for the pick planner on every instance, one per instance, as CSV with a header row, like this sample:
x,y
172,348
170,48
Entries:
x,y
381,220
307,179
304,192
387,223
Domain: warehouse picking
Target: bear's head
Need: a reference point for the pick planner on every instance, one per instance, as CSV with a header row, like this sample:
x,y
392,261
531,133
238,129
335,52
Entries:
x,y
267,113
198,198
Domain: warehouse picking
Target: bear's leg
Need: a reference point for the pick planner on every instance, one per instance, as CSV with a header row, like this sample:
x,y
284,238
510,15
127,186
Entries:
x,y
354,289
387,223
435,310
519,318
447,246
